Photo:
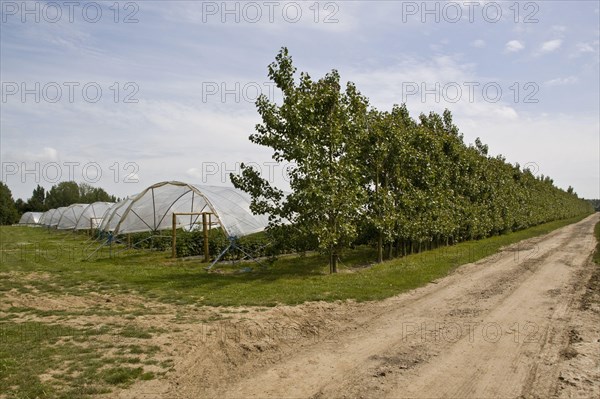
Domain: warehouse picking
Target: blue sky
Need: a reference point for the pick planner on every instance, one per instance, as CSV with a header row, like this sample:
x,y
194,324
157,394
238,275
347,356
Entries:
x,y
178,80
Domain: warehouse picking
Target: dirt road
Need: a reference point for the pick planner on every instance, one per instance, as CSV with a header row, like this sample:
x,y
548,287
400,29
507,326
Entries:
x,y
523,323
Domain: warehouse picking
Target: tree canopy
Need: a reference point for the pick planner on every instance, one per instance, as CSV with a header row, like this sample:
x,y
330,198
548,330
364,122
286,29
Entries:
x,y
69,192
8,210
62,194
384,177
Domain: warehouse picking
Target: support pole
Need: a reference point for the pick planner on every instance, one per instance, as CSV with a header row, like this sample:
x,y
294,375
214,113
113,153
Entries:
x,y
205,226
205,232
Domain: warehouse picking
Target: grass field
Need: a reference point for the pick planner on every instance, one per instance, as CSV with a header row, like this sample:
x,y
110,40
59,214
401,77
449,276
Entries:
x,y
101,334
290,280
597,252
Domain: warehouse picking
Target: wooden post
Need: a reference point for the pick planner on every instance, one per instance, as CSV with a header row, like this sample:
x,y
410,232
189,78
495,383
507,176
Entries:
x,y
174,243
333,261
206,223
205,232
380,247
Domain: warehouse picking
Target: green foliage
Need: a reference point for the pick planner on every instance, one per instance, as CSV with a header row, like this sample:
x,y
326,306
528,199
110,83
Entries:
x,y
36,202
318,128
89,194
285,239
150,240
33,204
69,192
407,184
288,280
8,209
596,204
63,194
191,243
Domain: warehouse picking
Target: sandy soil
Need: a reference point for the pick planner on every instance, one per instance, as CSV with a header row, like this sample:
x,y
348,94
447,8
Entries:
x,y
524,323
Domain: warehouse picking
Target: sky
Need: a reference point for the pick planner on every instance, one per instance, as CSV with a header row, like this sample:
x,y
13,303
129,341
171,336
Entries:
x,y
124,94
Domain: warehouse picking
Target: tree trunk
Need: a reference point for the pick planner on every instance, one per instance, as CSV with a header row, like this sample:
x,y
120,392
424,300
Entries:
x,y
333,262
380,248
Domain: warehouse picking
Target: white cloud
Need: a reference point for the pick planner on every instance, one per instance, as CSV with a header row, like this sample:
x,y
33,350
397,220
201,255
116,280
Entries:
x,y
194,173
479,43
174,131
562,81
514,46
550,46
433,85
585,48
46,154
504,112
552,142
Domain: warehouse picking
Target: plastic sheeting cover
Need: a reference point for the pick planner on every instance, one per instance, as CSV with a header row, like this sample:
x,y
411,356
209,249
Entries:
x,y
92,215
46,216
53,222
152,209
112,216
70,216
31,218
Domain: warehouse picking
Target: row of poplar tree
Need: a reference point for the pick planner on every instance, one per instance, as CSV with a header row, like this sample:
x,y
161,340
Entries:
x,y
409,184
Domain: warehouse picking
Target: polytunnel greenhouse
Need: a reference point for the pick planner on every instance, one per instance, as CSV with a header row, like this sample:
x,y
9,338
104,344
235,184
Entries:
x,y
53,221
112,216
70,216
46,216
91,217
30,218
152,210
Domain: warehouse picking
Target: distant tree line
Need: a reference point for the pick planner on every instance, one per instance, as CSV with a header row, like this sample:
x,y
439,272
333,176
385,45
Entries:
x,y
61,194
367,175
596,204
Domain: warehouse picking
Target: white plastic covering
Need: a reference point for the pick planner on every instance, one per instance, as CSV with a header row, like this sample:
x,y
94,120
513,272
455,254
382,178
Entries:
x,y
112,216
91,217
152,209
53,221
70,216
30,218
46,216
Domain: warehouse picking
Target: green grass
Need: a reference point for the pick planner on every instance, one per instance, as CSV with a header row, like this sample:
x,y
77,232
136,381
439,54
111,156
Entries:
x,y
289,280
84,363
122,375
77,359
596,256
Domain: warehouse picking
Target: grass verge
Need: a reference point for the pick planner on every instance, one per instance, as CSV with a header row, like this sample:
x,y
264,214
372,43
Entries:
x,y
57,258
596,256
50,360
